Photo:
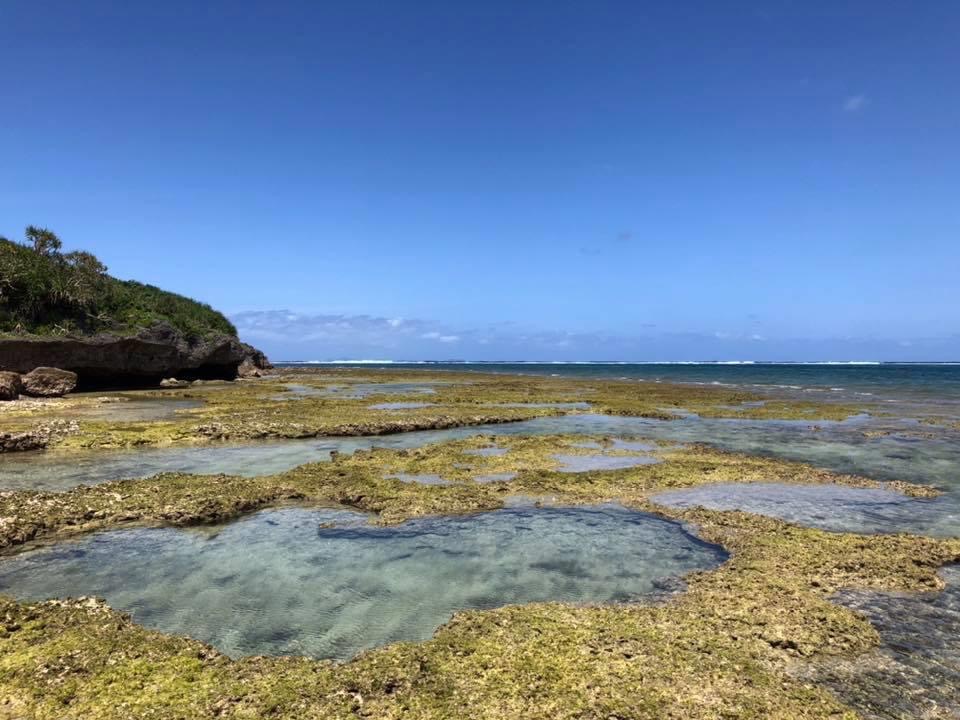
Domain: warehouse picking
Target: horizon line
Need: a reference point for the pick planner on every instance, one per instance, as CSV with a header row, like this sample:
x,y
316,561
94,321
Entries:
x,y
362,361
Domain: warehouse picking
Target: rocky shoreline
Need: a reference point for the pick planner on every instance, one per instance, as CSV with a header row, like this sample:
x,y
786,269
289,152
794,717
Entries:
x,y
136,361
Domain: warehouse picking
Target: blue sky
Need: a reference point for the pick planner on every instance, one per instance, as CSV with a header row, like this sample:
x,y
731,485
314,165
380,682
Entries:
x,y
539,180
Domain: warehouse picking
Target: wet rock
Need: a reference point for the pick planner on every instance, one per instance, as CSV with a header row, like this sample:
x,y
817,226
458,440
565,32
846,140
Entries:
x,y
915,673
16,442
48,382
10,385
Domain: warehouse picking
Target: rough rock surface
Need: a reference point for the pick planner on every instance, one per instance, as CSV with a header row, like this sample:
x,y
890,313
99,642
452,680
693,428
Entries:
x,y
249,369
10,385
48,382
37,438
143,359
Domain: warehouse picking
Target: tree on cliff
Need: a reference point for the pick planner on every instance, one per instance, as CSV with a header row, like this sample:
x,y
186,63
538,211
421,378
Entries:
x,y
45,291
44,241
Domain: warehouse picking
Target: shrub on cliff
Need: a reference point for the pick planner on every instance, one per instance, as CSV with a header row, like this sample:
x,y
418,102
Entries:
x,y
44,291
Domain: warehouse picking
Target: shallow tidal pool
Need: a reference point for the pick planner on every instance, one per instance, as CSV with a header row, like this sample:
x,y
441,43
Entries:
x,y
325,583
829,507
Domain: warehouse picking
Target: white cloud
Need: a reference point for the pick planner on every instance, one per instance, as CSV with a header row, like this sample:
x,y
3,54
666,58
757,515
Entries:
x,y
287,335
434,335
855,103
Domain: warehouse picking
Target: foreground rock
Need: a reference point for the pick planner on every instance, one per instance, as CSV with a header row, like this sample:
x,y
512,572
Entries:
x,y
49,382
39,437
139,360
10,385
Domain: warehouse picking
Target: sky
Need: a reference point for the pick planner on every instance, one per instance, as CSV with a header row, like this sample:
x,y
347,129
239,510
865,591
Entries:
x,y
506,180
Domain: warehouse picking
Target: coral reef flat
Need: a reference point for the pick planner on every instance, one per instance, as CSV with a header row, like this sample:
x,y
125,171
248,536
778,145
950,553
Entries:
x,y
751,591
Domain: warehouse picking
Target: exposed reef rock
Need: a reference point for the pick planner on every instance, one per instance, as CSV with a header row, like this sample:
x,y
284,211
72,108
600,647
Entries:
x,y
48,382
142,360
10,385
37,438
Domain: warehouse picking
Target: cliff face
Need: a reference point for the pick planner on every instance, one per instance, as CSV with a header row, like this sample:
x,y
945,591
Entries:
x,y
140,360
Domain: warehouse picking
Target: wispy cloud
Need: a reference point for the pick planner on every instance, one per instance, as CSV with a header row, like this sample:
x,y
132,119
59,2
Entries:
x,y
855,103
287,335
434,335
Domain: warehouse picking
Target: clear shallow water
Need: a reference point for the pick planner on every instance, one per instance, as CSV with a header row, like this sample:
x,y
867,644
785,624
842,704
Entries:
x,y
916,671
904,382
829,507
840,446
137,410
286,582
495,477
401,405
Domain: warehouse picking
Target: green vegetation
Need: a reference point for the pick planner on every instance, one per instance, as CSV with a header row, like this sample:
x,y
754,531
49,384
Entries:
x,y
728,647
44,291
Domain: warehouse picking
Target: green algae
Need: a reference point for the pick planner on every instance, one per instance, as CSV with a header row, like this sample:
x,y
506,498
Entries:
x,y
727,647
247,410
722,649
360,481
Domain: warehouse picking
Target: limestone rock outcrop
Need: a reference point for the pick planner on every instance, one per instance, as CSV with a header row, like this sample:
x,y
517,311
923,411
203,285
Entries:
x,y
140,360
10,385
48,382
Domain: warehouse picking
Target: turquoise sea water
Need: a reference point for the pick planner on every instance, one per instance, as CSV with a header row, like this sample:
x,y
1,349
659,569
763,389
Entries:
x,y
326,584
934,382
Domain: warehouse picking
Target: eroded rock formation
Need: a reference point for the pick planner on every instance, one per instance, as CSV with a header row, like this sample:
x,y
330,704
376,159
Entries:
x,y
133,361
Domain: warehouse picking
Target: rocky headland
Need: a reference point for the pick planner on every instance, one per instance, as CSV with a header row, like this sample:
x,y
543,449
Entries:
x,y
141,360
65,324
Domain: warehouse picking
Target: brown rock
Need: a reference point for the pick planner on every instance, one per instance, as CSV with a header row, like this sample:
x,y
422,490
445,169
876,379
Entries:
x,y
38,437
48,382
10,385
249,369
131,361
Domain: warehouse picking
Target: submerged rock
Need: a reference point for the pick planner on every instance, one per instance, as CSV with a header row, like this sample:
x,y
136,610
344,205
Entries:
x,y
49,382
10,385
